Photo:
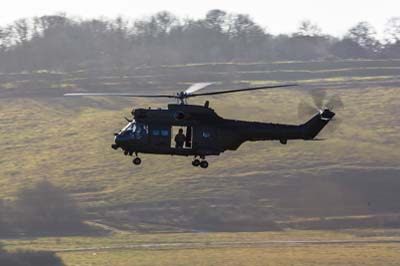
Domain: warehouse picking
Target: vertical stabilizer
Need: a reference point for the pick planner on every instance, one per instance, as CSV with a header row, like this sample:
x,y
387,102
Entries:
x,y
317,123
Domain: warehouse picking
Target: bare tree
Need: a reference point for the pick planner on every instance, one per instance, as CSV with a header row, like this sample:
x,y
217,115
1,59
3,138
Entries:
x,y
349,49
392,30
21,30
307,28
155,27
216,19
49,23
365,35
166,21
247,36
4,39
61,43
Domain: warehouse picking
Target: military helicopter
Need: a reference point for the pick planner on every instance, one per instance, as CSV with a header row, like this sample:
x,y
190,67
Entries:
x,y
197,130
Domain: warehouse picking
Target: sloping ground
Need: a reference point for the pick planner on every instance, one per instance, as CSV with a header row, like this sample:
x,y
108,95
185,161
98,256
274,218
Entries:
x,y
45,83
67,141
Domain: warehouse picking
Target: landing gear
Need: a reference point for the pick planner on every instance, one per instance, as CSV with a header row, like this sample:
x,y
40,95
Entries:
x,y
196,162
204,164
137,161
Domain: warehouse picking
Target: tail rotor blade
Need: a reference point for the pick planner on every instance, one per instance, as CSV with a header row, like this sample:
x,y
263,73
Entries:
x,y
306,110
318,97
335,102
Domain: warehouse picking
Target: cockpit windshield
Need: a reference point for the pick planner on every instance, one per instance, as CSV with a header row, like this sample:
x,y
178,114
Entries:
x,y
129,127
136,130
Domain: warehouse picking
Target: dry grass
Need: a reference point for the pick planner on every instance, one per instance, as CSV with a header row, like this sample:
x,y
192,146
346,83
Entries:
x,y
383,254
71,147
326,254
68,143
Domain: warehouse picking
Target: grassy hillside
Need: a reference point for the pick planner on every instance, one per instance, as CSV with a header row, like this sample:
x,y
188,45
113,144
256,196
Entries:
x,y
67,141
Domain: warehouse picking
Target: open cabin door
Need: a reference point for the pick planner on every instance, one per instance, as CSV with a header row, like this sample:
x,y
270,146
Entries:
x,y
188,136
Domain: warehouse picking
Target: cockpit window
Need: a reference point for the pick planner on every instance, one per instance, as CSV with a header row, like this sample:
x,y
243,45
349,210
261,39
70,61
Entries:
x,y
129,127
138,130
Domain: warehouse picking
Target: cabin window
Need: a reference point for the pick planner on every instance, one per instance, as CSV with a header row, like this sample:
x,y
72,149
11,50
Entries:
x,y
206,134
156,132
164,133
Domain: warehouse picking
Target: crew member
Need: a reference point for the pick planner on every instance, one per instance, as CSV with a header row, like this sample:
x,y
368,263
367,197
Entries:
x,y
180,139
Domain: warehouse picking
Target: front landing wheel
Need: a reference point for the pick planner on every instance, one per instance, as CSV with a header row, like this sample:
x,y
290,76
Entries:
x,y
137,161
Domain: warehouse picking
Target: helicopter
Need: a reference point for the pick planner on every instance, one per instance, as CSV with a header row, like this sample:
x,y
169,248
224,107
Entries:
x,y
197,130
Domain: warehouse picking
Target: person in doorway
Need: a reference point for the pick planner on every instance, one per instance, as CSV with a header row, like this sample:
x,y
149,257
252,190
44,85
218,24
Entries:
x,y
180,139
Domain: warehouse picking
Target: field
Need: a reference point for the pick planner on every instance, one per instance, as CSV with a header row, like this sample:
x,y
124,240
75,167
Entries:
x,y
350,180
295,255
262,248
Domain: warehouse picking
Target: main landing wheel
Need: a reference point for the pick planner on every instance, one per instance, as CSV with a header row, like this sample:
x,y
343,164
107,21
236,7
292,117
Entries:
x,y
196,162
137,161
204,164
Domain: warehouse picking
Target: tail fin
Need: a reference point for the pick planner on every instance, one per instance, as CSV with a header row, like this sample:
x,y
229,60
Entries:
x,y
317,123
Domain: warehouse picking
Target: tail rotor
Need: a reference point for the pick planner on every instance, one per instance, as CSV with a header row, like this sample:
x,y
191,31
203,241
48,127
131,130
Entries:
x,y
321,103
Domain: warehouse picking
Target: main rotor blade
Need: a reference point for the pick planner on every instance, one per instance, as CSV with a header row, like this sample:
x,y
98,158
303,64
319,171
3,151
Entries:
x,y
197,87
118,94
240,90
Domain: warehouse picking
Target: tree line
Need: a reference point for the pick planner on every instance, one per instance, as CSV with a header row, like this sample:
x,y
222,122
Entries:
x,y
59,42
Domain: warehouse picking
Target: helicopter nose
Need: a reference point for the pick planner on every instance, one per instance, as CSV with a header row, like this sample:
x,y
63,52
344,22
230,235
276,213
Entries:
x,y
118,142
122,140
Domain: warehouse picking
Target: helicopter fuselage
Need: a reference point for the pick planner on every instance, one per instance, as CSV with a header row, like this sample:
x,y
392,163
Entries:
x,y
196,130
153,131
